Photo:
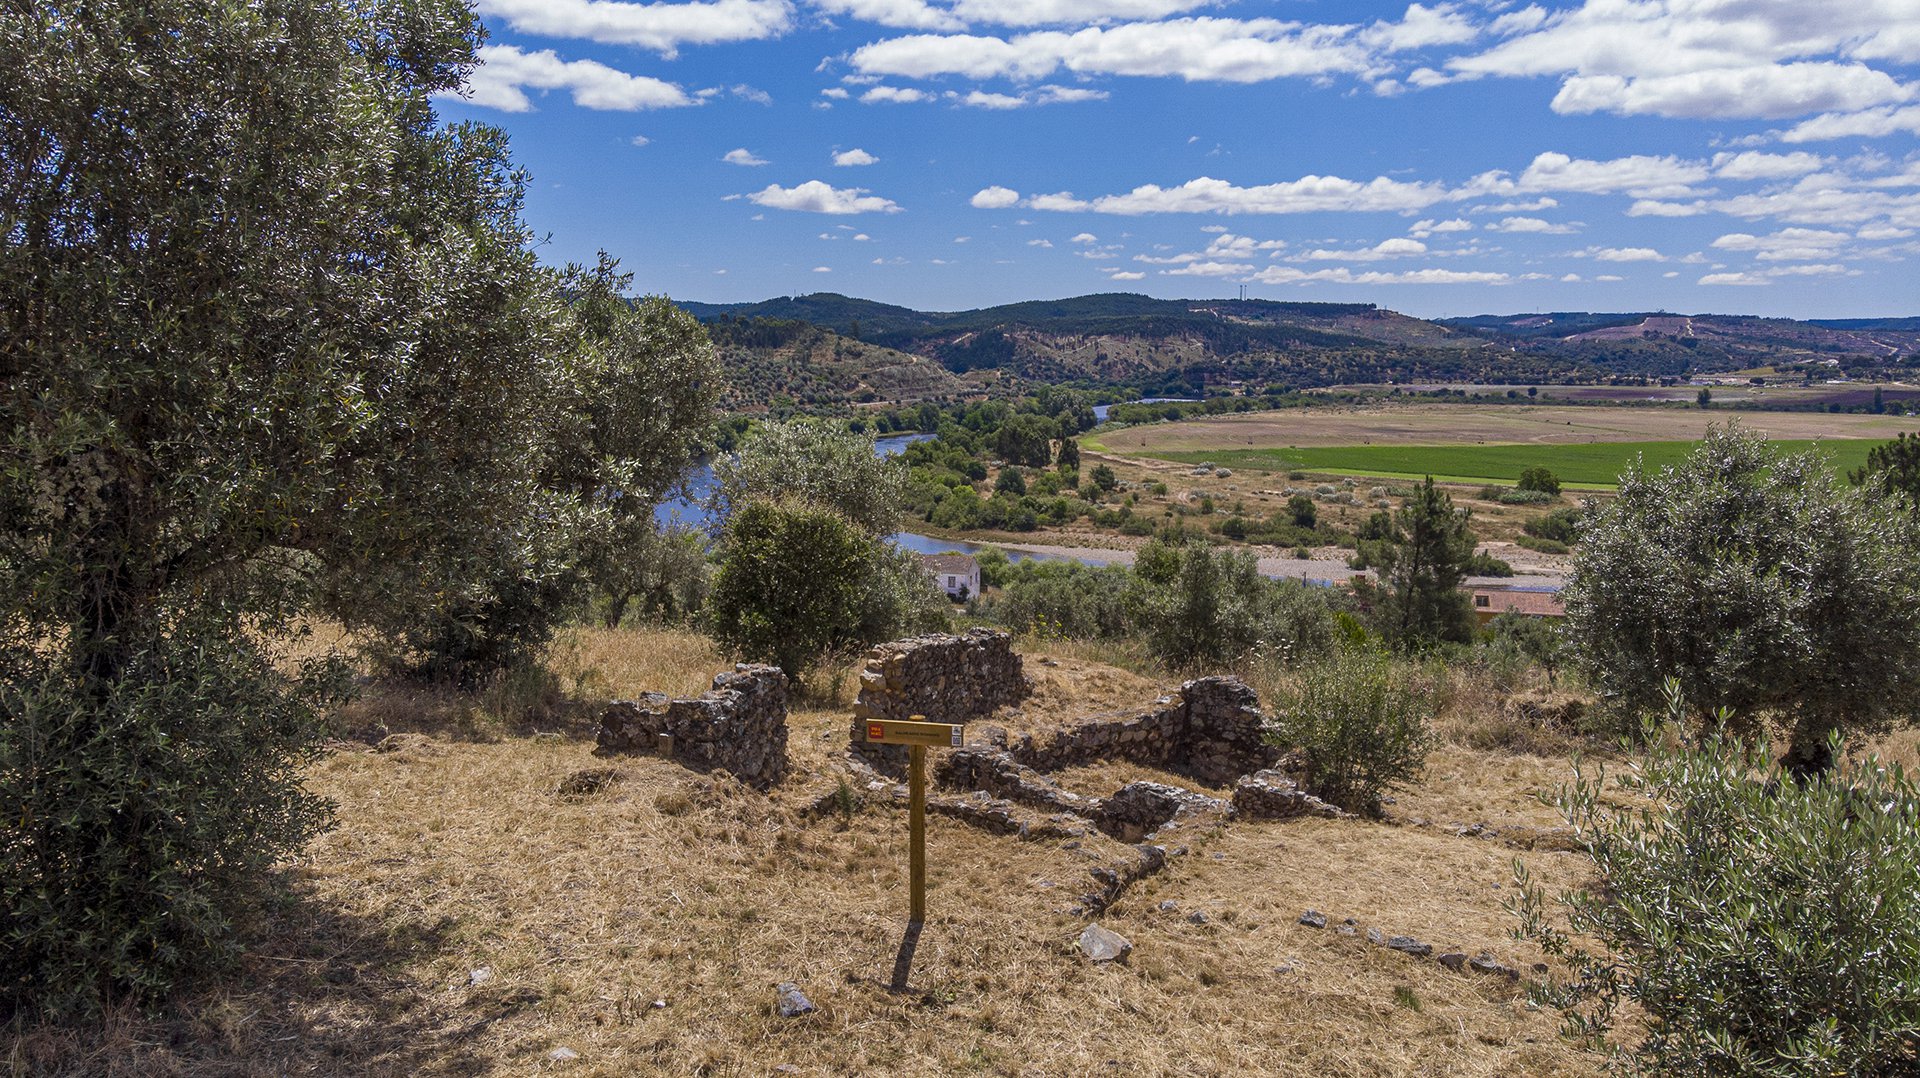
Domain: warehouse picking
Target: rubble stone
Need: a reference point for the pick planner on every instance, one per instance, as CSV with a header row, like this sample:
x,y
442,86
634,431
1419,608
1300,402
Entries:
x,y
739,726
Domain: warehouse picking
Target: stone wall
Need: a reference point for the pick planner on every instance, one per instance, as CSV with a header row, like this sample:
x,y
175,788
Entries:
x,y
985,768
941,678
740,726
1212,729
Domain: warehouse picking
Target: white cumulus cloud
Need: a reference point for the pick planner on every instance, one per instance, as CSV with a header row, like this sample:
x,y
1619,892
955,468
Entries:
x,y
1531,225
815,196
505,73
895,95
854,157
1202,49
662,27
995,198
1763,91
743,156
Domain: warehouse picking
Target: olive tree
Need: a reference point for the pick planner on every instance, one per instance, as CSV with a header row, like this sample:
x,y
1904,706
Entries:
x,y
609,435
818,462
804,508
1760,582
270,337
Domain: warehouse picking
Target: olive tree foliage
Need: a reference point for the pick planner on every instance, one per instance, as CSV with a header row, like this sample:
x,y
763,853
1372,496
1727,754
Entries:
x,y
1752,924
269,337
813,461
645,393
793,504
1760,582
1360,724
1200,607
660,572
797,581
611,434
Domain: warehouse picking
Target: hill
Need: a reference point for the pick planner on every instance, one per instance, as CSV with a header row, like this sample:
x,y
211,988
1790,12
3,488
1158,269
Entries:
x,y
1167,345
1774,339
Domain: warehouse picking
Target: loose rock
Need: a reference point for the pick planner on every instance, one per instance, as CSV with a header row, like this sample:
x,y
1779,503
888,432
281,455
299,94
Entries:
x,y
1314,919
792,1002
563,1054
1409,945
1486,963
1376,937
1453,960
1102,945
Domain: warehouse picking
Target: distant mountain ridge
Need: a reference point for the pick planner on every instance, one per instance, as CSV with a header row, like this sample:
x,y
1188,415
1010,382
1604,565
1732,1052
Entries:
x,y
1144,341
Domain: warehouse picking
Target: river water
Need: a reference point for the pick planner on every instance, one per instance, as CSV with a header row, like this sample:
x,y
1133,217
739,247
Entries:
x,y
691,511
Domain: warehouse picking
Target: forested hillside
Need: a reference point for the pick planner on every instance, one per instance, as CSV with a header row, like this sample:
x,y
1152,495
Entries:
x,y
1183,346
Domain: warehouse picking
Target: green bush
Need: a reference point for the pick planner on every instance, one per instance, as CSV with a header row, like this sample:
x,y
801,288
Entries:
x,y
1559,525
1759,925
1763,585
1485,564
1540,479
1360,725
1544,546
142,816
797,581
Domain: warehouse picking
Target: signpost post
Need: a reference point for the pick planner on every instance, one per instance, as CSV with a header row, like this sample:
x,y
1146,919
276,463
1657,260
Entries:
x,y
918,737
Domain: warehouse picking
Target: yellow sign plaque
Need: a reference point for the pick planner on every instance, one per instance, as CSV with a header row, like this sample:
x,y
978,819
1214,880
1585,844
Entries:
x,y
939,735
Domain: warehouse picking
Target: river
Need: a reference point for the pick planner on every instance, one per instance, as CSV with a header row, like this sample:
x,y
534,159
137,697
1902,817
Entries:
x,y
691,510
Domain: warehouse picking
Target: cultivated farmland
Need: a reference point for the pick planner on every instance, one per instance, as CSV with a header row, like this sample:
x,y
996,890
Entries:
x,y
1587,446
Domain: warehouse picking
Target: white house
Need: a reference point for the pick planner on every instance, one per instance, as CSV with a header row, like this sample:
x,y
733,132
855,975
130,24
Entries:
x,y
956,574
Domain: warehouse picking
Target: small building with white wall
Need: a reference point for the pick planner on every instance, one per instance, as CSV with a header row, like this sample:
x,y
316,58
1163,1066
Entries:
x,y
956,574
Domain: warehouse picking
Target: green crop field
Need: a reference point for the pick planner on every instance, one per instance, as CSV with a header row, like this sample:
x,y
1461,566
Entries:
x,y
1590,465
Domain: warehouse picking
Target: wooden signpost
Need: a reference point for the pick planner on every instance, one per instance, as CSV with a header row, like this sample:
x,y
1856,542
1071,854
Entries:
x,y
917,736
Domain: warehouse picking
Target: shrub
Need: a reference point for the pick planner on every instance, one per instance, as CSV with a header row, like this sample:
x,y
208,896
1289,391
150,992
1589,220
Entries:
x,y
1762,926
1544,546
1360,726
1519,496
1485,564
1540,479
797,581
127,871
1560,525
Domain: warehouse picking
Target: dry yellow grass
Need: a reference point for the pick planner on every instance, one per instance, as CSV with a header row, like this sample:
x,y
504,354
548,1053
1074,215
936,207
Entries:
x,y
644,928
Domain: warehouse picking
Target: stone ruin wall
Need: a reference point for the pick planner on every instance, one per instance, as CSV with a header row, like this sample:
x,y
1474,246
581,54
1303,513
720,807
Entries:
x,y
1212,729
939,677
739,726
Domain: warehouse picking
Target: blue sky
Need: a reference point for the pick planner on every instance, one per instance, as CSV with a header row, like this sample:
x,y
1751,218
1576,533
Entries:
x,y
1747,156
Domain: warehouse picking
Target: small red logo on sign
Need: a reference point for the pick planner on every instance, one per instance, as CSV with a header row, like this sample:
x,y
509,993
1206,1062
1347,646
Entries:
x,y
875,731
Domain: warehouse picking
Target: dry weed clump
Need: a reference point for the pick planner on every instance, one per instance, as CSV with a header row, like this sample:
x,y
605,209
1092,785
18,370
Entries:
x,y
473,913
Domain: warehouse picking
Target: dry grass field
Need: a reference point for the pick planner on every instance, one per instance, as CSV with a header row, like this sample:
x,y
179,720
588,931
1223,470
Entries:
x,y
464,918
1469,424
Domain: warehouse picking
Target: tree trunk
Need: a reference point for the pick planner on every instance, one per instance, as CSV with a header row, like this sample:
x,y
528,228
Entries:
x,y
1810,753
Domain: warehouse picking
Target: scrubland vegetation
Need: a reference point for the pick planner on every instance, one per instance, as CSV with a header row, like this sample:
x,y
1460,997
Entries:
x,y
326,526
